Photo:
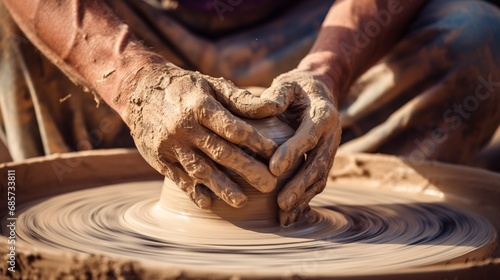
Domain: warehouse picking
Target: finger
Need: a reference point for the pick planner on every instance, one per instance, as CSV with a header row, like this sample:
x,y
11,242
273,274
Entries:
x,y
294,149
315,122
202,197
316,168
230,156
197,193
281,93
241,102
219,120
288,218
203,171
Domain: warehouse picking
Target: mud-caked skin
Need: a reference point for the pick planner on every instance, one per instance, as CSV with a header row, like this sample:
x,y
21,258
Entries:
x,y
182,129
439,59
179,119
310,105
182,122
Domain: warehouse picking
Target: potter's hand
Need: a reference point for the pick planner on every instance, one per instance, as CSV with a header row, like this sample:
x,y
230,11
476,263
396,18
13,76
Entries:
x,y
181,125
309,105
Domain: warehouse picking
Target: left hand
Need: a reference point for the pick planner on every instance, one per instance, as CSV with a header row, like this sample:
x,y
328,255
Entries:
x,y
310,106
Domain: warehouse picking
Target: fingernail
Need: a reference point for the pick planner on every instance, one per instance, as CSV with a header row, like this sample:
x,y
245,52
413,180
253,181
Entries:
x,y
238,200
261,179
293,217
290,200
286,222
278,166
203,203
269,184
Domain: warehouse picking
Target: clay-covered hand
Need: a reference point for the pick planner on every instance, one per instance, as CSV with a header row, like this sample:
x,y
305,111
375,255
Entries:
x,y
309,105
183,124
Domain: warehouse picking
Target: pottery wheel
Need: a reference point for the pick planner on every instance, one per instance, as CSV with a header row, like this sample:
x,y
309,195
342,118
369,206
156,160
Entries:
x,y
349,230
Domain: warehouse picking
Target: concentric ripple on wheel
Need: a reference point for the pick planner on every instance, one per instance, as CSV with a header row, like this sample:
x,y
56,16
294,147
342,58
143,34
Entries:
x,y
349,230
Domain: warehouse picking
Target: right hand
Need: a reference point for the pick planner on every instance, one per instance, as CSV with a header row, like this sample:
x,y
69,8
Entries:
x,y
308,103
181,126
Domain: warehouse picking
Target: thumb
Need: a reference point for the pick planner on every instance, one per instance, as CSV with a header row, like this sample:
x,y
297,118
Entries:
x,y
281,94
242,102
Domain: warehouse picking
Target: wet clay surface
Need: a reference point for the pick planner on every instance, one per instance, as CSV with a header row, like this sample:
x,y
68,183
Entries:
x,y
376,215
348,230
261,207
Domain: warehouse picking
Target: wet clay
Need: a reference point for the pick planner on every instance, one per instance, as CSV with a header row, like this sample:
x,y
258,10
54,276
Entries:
x,y
261,208
349,230
189,138
377,219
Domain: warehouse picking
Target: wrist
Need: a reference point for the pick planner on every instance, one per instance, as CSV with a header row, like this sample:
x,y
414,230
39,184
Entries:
x,y
330,69
116,84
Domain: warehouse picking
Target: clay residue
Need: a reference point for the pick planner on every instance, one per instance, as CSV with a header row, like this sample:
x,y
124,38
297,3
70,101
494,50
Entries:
x,y
36,266
182,129
363,225
361,196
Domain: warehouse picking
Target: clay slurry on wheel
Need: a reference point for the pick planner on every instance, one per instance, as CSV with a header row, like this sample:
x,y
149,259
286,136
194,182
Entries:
x,y
351,229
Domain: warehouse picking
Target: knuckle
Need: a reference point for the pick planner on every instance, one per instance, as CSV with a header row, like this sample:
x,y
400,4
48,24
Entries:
x,y
184,186
173,126
199,103
312,140
163,142
168,131
221,154
201,107
320,186
238,132
329,112
216,149
169,172
200,170
233,129
228,126
163,147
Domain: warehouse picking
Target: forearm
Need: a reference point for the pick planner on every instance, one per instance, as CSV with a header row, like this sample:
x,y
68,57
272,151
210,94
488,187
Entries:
x,y
86,40
355,34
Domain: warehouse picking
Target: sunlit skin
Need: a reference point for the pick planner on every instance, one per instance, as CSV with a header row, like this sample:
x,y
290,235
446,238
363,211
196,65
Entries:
x,y
97,50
